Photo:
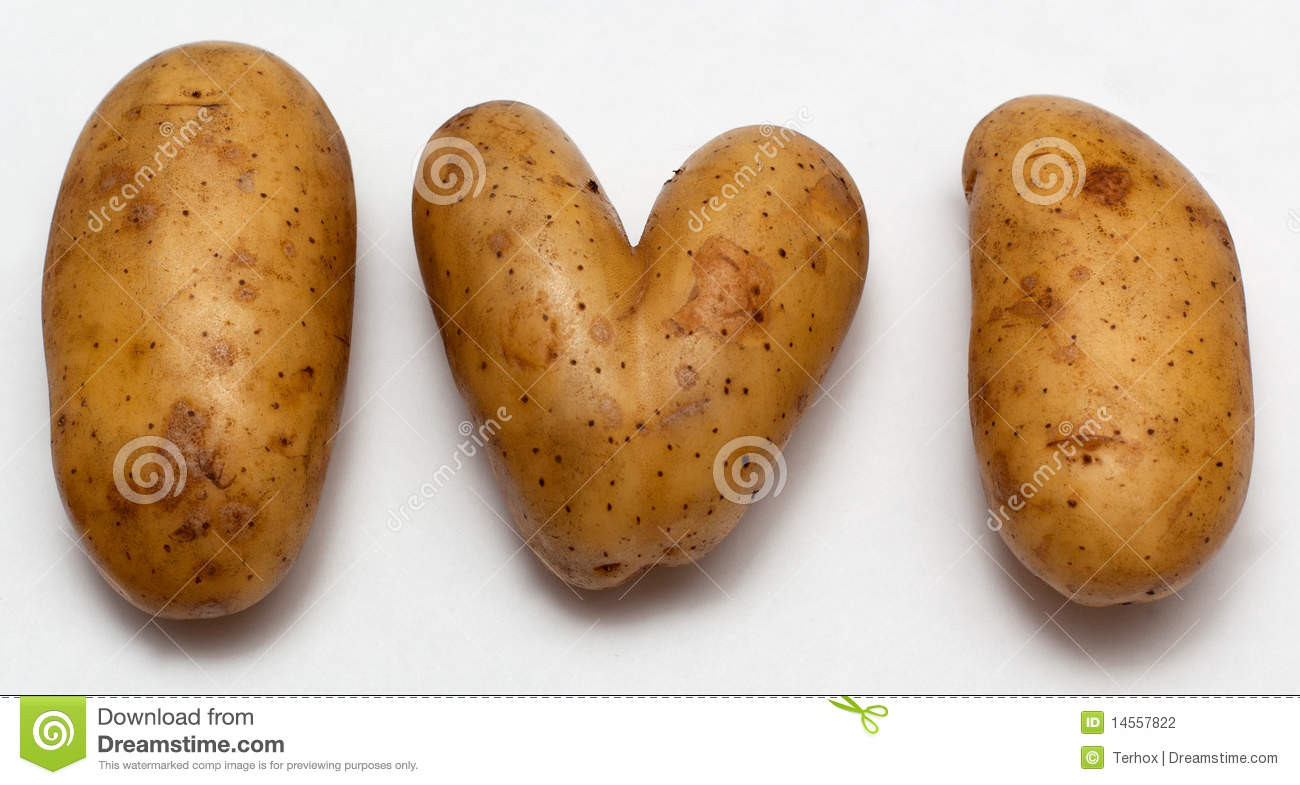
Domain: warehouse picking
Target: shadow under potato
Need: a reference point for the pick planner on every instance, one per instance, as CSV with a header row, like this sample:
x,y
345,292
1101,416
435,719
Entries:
x,y
658,589
1127,642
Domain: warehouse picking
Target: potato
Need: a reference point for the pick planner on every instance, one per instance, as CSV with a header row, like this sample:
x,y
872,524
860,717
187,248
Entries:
x,y
1109,368
607,378
197,310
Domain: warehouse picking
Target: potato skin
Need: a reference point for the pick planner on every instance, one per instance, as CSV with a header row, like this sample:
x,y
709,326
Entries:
x,y
206,302
1110,381
623,370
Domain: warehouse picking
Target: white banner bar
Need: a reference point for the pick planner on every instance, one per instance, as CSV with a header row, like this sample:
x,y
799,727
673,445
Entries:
x,y
651,739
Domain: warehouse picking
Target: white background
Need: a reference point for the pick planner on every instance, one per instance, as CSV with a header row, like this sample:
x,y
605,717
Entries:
x,y
872,571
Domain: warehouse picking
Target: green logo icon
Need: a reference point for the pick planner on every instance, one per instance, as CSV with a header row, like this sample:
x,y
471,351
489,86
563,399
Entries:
x,y
1092,757
52,730
868,723
1092,722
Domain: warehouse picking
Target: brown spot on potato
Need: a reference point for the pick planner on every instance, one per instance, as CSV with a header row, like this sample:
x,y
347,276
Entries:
x,y
223,354
1033,309
142,212
1087,441
686,376
829,201
532,333
246,181
601,331
731,289
1068,353
999,472
288,249
500,241
1080,273
611,414
235,519
111,178
1107,185
187,428
229,152
683,412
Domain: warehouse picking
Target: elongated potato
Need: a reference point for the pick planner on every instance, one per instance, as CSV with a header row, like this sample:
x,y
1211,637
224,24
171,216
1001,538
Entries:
x,y
197,309
635,397
1109,367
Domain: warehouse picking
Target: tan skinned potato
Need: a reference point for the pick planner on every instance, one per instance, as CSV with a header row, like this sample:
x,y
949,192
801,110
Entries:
x,y
197,310
609,376
1109,367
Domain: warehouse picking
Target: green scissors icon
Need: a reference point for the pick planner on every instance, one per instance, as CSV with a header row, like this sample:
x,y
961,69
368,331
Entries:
x,y
874,710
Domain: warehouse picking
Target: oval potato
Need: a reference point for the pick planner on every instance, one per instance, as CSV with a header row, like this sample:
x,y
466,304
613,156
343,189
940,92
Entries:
x,y
609,378
1109,366
197,310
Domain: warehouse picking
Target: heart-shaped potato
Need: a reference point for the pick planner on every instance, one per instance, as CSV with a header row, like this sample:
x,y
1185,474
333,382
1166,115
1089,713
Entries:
x,y
617,382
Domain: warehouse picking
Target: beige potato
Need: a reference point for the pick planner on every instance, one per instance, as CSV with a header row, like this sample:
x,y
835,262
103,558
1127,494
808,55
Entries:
x,y
197,310
610,377
1109,366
